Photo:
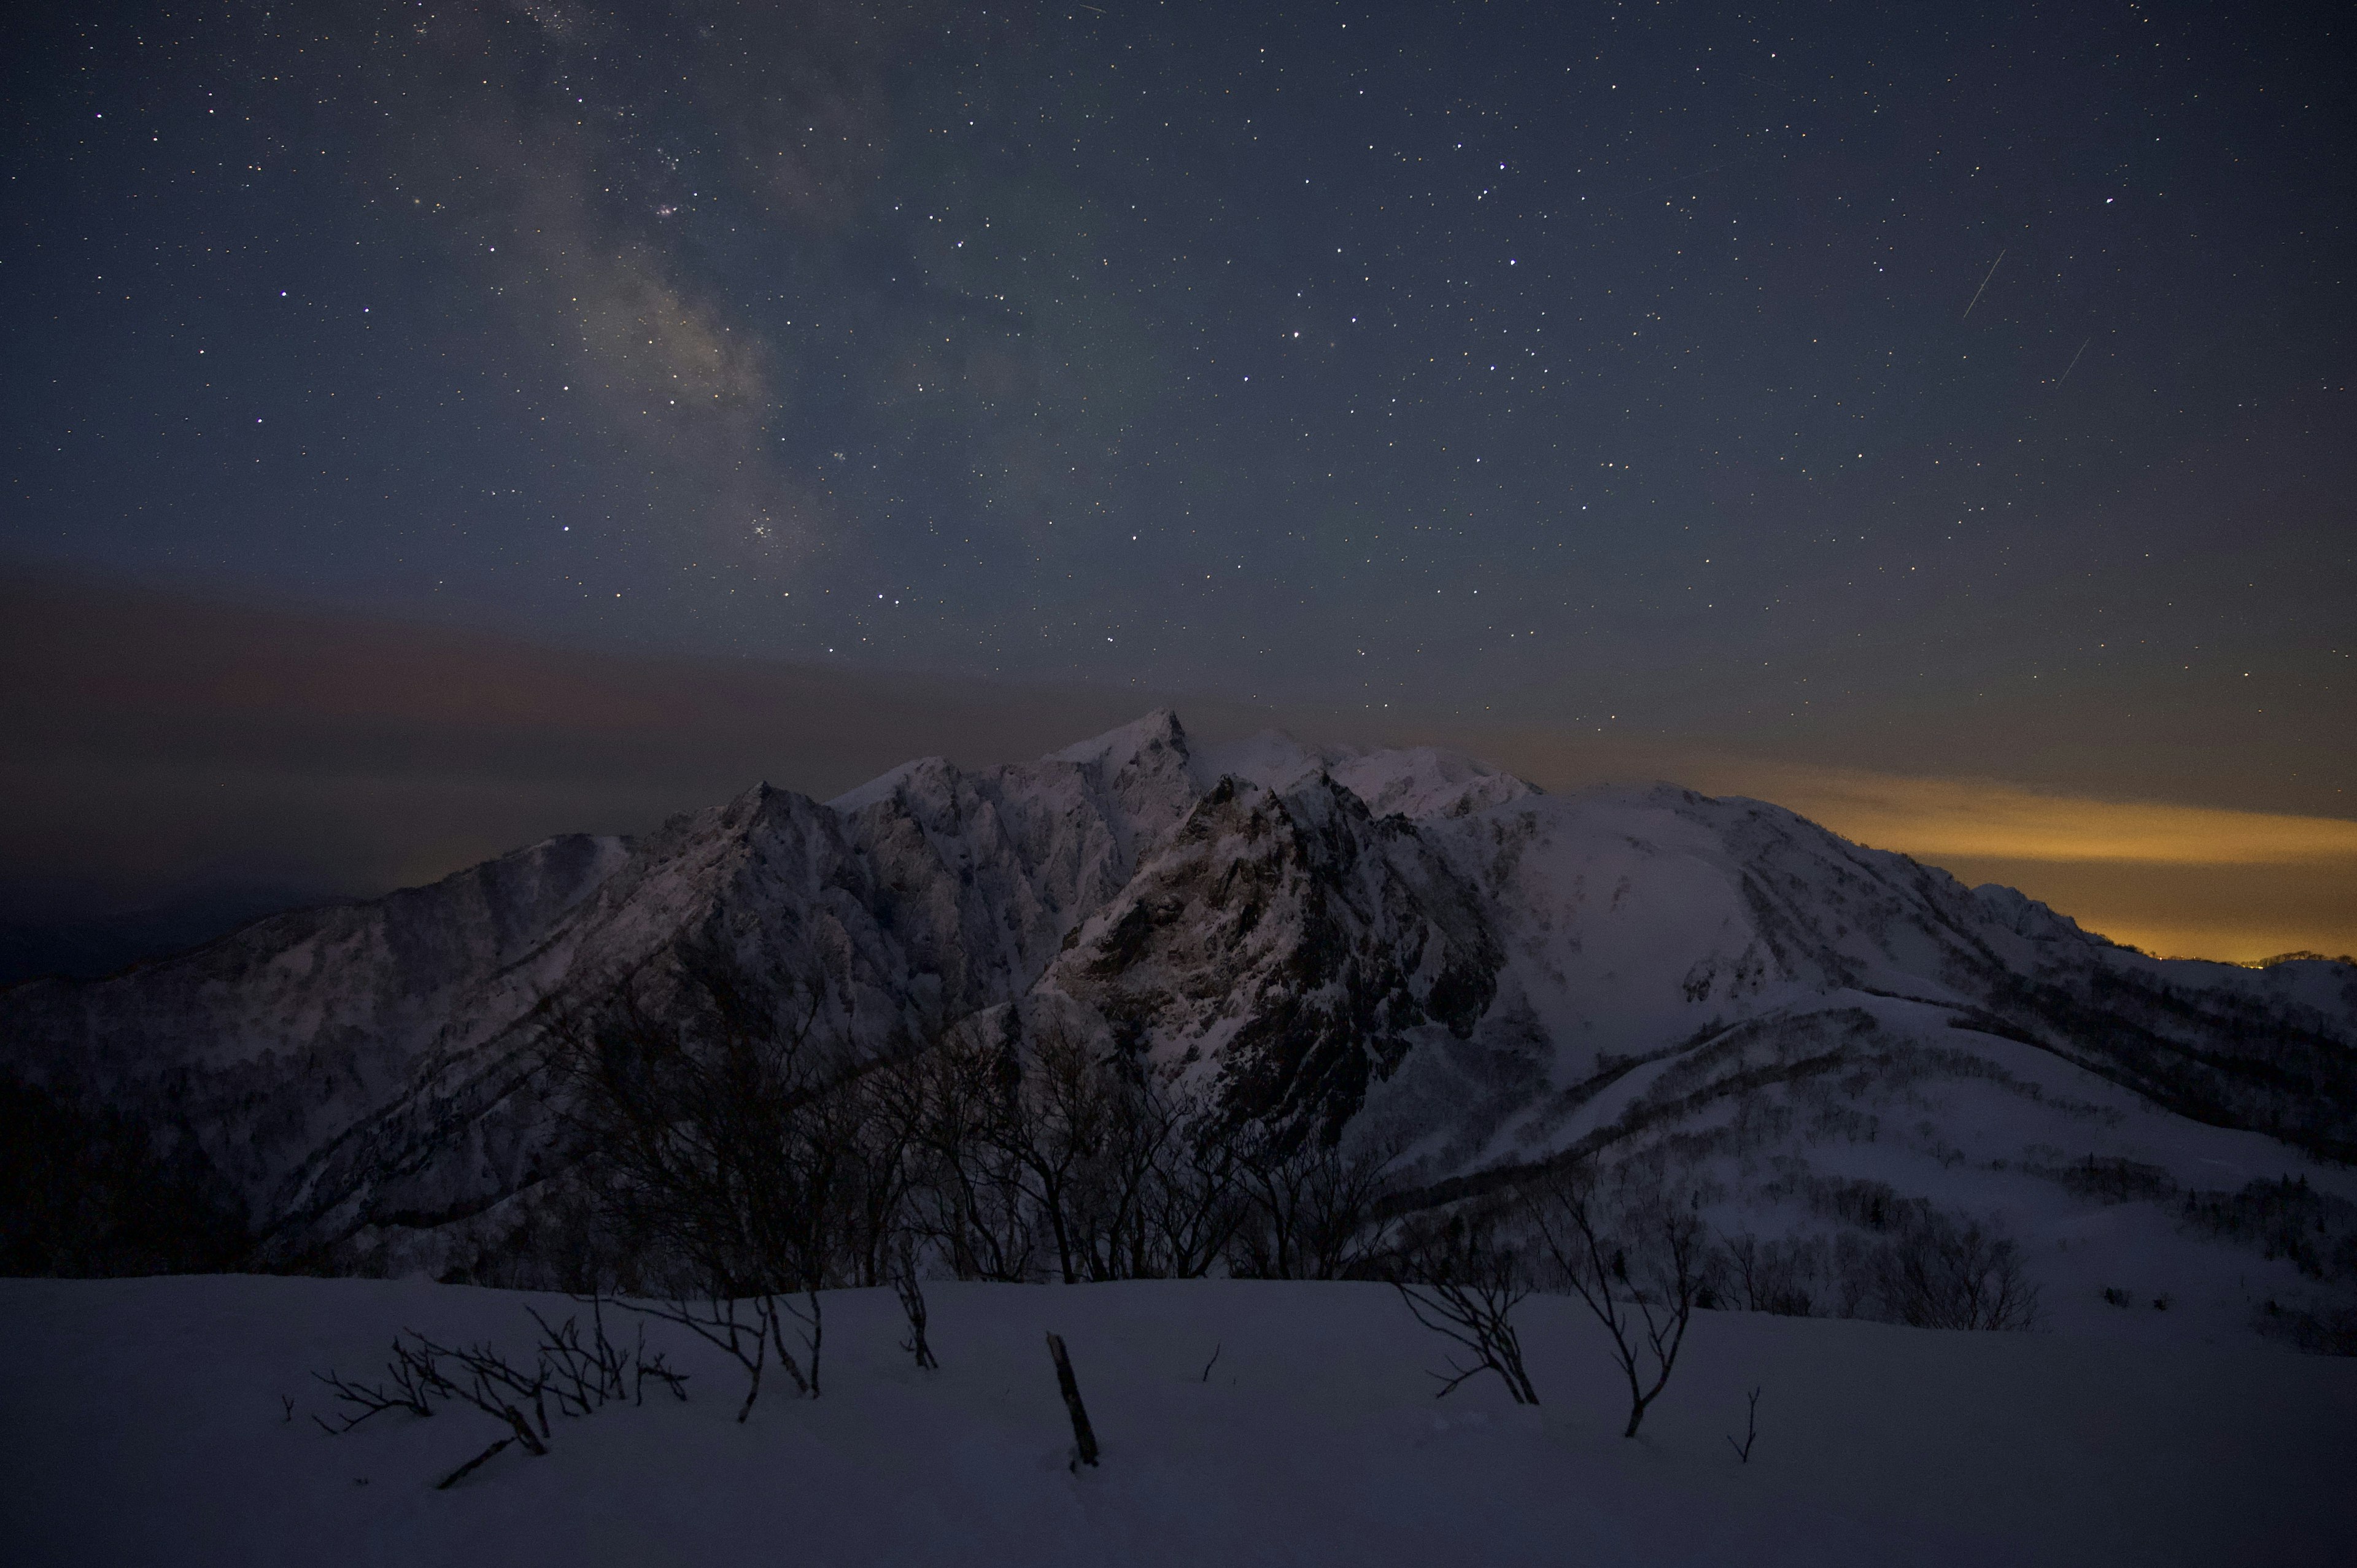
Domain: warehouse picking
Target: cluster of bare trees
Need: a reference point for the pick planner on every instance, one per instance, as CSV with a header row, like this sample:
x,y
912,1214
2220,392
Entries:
x,y
744,1162
1642,1260
1907,1262
1640,1267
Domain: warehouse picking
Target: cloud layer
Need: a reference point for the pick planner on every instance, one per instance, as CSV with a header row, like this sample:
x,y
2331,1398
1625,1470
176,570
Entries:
x,y
154,744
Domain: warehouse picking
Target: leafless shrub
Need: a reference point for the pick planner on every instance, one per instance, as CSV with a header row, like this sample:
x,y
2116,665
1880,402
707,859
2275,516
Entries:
x,y
1932,1272
2113,1180
582,1377
1463,1285
493,1386
1639,1266
413,1377
1776,1276
585,1376
2318,1331
1898,1259
750,1330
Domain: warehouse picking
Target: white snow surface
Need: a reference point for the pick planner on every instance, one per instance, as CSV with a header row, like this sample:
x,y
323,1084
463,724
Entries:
x,y
145,1426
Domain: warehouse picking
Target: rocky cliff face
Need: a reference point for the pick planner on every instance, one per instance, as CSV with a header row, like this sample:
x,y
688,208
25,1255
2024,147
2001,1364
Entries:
x,y
1287,949
1402,945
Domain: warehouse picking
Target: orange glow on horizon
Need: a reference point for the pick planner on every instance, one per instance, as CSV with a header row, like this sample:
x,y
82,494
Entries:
x,y
1938,817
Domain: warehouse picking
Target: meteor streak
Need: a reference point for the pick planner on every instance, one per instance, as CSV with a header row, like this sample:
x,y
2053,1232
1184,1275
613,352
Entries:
x,y
1984,288
2069,368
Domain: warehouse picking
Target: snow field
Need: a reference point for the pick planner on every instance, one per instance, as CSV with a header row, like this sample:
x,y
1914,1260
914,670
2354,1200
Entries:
x,y
144,1425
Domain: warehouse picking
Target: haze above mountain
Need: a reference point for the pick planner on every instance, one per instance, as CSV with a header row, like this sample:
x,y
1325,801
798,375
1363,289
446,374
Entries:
x,y
176,764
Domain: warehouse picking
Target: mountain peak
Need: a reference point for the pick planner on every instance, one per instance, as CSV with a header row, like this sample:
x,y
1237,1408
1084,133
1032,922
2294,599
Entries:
x,y
1117,749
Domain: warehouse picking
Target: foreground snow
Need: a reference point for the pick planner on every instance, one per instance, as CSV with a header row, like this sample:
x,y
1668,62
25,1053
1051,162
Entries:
x,y
145,1425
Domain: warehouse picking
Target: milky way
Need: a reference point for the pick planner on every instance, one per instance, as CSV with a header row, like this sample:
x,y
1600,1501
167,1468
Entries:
x,y
1934,373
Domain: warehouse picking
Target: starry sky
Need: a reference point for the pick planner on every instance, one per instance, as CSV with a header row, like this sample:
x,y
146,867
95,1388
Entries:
x,y
1945,390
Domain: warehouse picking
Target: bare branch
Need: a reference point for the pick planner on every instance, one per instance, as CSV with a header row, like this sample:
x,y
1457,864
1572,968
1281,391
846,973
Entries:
x,y
1750,1429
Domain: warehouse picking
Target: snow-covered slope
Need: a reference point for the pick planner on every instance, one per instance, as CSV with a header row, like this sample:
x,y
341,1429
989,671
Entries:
x,y
1398,946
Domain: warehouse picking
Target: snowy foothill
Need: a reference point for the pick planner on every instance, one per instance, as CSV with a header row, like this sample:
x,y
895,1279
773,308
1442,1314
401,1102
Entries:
x,y
149,1422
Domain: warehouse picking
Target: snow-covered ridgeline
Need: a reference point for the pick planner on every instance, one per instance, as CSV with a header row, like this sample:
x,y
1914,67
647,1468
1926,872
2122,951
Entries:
x,y
1402,944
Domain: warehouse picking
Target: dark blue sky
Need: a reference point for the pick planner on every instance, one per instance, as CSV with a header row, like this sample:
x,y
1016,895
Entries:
x,y
1975,378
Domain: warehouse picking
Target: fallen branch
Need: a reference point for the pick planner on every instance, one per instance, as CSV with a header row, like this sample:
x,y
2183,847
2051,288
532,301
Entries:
x,y
460,1473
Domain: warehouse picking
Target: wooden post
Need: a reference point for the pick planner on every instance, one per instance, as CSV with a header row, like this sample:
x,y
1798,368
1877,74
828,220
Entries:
x,y
1084,1441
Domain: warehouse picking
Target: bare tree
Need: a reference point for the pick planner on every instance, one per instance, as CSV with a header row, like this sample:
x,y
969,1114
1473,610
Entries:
x,y
1194,1200
1639,1269
1464,1286
1316,1211
973,1201
882,1120
1139,1143
724,1143
1044,1153
1052,1125
911,1292
1163,1196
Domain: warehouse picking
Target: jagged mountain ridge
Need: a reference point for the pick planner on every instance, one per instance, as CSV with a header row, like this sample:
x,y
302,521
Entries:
x,y
1402,942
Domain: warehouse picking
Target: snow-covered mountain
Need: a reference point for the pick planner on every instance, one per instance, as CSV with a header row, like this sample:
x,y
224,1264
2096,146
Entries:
x,y
1402,945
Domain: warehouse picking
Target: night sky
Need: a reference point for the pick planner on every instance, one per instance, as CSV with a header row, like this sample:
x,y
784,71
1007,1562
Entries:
x,y
1940,389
